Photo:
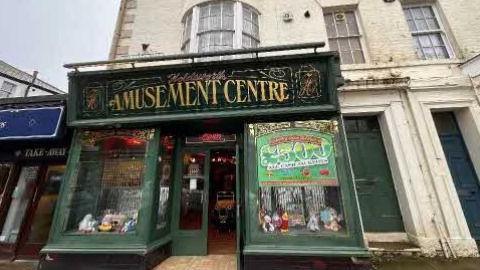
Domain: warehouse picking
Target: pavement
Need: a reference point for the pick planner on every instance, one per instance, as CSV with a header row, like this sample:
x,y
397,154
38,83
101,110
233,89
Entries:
x,y
228,262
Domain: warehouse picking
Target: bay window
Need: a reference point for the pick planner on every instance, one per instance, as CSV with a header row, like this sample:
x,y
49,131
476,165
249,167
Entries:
x,y
217,26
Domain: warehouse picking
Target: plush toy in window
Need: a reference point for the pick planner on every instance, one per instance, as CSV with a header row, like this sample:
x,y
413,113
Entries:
x,y
330,219
88,224
267,225
284,226
129,226
312,224
277,221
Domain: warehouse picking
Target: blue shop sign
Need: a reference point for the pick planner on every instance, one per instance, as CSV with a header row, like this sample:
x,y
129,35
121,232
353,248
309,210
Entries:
x,y
31,123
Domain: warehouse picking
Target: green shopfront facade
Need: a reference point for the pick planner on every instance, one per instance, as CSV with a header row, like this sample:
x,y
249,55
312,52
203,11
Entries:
x,y
173,160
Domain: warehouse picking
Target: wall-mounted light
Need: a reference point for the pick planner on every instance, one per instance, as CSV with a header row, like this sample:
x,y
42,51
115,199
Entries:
x,y
388,1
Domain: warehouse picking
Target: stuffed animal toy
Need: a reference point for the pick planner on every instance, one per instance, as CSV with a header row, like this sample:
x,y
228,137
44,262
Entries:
x,y
87,224
277,221
129,226
284,226
312,224
267,224
330,219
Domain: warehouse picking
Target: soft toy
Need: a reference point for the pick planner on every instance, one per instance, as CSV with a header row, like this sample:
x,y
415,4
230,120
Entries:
x,y
87,224
284,226
129,225
330,219
105,227
267,224
277,221
312,224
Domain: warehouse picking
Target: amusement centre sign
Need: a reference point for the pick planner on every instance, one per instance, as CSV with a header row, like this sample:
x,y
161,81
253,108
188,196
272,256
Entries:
x,y
225,86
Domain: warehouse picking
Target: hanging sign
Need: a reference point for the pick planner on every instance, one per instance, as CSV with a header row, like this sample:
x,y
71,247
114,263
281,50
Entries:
x,y
226,86
296,157
30,123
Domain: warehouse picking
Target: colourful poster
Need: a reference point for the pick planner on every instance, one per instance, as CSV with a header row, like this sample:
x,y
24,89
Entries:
x,y
296,156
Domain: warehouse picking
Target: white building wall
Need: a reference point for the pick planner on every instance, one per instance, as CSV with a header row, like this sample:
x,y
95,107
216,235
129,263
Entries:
x,y
393,84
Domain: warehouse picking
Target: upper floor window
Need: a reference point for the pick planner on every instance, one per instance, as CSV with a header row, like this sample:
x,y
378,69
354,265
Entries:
x,y
7,89
344,36
216,26
427,31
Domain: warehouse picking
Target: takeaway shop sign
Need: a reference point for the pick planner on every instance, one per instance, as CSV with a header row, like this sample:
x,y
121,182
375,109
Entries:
x,y
166,91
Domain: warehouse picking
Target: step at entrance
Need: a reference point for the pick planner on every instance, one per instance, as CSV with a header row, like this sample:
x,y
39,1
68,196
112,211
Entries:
x,y
210,262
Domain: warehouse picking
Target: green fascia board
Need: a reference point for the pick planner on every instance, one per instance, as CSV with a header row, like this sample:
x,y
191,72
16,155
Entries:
x,y
336,251
95,249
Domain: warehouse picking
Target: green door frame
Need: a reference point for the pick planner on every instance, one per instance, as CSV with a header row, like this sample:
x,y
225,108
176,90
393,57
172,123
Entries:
x,y
194,242
190,242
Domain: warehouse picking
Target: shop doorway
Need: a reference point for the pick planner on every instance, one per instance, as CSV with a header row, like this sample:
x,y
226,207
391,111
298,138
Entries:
x,y
221,205
204,201
373,178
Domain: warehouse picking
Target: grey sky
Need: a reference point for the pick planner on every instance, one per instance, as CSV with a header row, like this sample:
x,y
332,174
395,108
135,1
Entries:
x,y
45,34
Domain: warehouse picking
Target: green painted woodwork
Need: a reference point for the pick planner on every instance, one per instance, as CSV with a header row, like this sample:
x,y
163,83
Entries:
x,y
190,242
347,244
231,85
373,179
136,242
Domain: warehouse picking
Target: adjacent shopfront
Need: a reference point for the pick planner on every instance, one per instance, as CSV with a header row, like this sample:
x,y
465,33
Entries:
x,y
243,157
34,147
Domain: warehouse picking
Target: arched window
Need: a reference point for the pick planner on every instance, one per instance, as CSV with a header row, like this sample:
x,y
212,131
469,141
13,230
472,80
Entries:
x,y
220,25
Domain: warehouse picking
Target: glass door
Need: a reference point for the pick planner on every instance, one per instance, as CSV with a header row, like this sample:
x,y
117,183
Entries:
x,y
21,197
191,203
44,205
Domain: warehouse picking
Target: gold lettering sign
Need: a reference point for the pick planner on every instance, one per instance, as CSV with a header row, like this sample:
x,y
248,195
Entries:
x,y
200,94
167,91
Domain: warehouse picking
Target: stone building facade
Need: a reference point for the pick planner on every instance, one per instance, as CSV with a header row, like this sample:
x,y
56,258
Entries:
x,y
401,61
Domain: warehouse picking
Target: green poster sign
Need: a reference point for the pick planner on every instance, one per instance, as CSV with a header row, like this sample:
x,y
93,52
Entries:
x,y
296,156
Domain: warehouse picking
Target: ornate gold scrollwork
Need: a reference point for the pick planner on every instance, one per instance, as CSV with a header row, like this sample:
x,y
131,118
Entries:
x,y
91,138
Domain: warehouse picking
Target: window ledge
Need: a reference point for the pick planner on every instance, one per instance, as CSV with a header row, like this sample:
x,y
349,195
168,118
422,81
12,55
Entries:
x,y
367,66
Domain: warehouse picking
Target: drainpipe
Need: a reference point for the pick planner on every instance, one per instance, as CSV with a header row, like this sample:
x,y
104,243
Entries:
x,y
35,73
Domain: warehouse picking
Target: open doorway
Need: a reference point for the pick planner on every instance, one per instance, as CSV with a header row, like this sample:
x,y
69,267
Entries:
x,y
221,207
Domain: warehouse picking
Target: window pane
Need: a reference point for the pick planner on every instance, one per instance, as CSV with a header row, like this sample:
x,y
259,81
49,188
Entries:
x,y
333,44
165,173
193,193
433,24
298,188
330,25
342,28
43,216
352,23
428,12
358,57
346,58
425,41
411,25
429,53
441,52
21,196
107,189
417,13
418,47
344,46
421,25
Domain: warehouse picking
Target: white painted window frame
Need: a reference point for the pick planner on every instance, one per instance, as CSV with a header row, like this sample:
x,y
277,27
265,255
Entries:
x,y
442,31
237,22
8,94
361,34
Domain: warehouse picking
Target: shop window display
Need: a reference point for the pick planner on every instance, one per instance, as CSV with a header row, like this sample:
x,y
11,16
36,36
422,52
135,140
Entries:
x,y
107,189
299,192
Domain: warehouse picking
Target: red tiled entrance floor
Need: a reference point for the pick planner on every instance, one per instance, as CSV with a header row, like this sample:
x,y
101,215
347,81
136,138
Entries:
x,y
210,262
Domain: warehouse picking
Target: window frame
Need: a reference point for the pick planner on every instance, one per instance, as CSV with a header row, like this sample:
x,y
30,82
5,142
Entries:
x,y
441,30
238,30
4,93
360,35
